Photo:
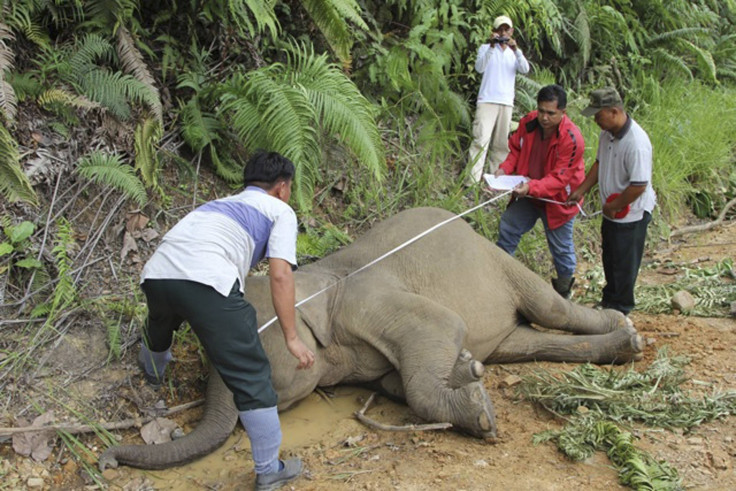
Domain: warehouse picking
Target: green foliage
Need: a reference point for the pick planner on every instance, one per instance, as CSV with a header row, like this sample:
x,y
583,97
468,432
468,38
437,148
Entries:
x,y
14,185
109,170
7,94
692,133
65,292
612,398
148,132
288,108
319,242
637,468
336,19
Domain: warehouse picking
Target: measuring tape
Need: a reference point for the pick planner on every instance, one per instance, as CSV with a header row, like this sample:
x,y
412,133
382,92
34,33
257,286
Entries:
x,y
392,251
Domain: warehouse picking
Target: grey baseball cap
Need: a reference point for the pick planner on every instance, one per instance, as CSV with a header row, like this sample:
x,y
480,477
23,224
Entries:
x,y
600,98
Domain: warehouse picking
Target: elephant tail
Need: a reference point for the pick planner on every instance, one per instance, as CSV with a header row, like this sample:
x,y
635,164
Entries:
x,y
218,421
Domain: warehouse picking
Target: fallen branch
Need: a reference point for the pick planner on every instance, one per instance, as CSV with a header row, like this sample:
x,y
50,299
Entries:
x,y
120,425
705,226
380,426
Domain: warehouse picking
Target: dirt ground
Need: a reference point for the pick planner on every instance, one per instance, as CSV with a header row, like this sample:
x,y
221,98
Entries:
x,y
341,453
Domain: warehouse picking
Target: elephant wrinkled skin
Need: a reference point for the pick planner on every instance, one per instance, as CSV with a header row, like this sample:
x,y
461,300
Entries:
x,y
418,323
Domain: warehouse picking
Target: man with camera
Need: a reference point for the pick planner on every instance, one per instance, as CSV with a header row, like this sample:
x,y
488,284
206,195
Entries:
x,y
498,60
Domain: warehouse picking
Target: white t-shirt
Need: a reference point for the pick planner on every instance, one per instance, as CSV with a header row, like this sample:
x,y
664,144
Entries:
x,y
623,160
499,67
221,240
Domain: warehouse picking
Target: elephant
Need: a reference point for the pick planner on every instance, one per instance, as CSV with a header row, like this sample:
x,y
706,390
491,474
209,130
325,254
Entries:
x,y
420,323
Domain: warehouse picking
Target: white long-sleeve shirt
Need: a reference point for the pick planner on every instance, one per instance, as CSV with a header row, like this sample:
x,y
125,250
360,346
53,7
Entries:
x,y
499,67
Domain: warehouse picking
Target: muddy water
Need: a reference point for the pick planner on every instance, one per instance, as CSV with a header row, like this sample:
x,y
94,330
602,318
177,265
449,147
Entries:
x,y
231,467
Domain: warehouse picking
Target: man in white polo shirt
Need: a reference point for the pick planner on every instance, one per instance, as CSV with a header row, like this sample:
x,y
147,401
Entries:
x,y
623,171
197,274
498,60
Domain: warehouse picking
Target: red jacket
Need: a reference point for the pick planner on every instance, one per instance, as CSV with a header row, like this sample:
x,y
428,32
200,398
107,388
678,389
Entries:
x,y
564,169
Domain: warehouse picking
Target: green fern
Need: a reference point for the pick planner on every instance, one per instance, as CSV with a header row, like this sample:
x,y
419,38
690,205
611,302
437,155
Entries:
x,y
133,63
65,292
22,17
109,170
147,135
286,107
14,185
262,12
337,19
7,94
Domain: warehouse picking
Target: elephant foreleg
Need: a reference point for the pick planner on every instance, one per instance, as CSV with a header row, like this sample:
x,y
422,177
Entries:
x,y
441,382
529,344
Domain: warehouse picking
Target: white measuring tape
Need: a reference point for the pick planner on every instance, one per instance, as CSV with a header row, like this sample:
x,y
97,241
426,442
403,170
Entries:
x,y
395,249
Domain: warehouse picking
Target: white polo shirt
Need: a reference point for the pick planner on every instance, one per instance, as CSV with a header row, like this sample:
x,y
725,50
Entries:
x,y
221,240
626,159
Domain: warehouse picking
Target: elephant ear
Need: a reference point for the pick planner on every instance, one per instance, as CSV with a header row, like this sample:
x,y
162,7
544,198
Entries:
x,y
317,311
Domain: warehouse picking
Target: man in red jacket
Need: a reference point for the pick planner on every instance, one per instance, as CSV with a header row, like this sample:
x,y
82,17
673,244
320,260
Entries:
x,y
548,149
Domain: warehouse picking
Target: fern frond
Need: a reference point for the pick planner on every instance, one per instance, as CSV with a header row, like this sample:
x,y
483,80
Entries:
x,y
267,112
113,90
7,94
261,10
133,63
52,97
110,170
333,18
677,34
340,107
89,50
147,135
65,292
667,61
20,19
198,128
14,185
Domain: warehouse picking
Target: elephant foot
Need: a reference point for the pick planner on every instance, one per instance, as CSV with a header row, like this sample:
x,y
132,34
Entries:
x,y
627,345
477,416
466,370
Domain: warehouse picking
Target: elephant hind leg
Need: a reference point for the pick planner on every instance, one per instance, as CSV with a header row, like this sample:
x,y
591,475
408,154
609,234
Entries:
x,y
529,344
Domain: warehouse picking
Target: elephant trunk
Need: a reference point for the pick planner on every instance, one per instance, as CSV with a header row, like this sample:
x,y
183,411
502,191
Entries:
x,y
218,421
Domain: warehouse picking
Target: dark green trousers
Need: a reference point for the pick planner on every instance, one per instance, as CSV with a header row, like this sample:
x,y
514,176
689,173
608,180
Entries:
x,y
226,327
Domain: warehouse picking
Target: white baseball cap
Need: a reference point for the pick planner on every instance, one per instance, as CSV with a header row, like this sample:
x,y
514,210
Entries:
x,y
501,20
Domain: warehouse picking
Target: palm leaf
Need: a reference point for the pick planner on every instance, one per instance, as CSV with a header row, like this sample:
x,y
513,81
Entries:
x,y
109,170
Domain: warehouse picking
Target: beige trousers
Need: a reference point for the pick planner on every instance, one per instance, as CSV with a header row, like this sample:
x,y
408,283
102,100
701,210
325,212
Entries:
x,y
490,132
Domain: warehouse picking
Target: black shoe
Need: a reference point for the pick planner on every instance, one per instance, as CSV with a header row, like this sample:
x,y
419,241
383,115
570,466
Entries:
x,y
563,286
292,469
153,381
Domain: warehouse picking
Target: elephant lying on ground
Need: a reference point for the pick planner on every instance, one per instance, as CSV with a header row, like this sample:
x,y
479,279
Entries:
x,y
419,323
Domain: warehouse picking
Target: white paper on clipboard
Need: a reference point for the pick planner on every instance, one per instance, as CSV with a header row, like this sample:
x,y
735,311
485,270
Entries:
x,y
504,183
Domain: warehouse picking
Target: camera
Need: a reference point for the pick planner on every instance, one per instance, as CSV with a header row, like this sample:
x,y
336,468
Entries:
x,y
500,40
